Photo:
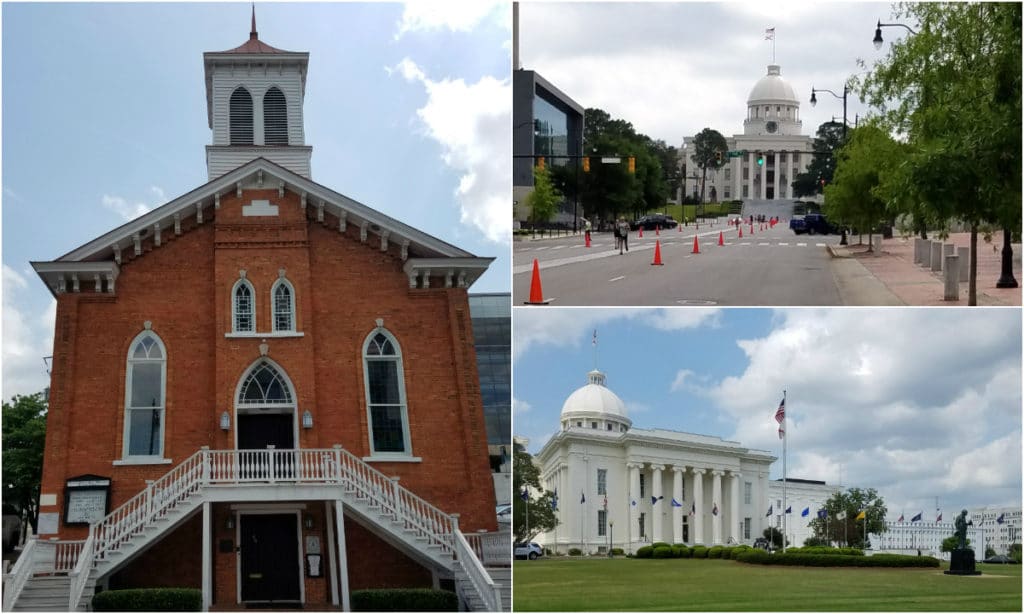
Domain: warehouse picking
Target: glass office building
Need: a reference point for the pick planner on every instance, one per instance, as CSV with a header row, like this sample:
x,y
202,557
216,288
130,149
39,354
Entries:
x,y
492,337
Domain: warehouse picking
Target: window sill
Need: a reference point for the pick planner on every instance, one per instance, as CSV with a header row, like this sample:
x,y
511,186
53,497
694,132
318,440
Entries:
x,y
380,458
276,335
142,460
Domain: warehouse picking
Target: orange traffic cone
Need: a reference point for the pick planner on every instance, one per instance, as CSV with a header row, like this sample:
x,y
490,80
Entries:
x,y
741,230
641,235
657,254
696,246
721,239
536,293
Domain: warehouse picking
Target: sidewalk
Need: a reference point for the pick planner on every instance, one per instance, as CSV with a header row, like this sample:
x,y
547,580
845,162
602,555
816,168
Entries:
x,y
915,285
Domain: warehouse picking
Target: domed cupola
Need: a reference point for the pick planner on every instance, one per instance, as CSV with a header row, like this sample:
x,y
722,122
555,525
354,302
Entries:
x,y
772,106
594,407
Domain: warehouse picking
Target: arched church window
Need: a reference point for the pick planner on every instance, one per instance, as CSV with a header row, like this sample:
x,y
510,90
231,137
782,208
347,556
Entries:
x,y
240,117
145,388
284,306
275,118
243,308
265,385
384,380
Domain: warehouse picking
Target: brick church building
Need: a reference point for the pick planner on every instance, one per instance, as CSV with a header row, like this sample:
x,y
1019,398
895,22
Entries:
x,y
262,389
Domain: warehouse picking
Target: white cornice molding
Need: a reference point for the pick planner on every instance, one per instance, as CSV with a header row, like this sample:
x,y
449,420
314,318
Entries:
x,y
57,275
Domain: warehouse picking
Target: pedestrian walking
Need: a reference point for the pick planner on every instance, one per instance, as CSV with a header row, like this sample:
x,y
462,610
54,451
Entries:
x,y
586,229
615,231
623,227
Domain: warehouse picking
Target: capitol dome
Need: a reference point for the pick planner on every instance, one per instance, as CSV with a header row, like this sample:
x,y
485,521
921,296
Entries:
x,y
772,88
594,406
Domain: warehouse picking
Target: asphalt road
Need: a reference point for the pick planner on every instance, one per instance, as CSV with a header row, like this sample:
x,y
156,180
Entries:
x,y
770,267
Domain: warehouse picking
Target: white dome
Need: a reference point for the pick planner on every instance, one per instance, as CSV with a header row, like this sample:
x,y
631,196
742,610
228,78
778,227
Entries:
x,y
594,398
772,88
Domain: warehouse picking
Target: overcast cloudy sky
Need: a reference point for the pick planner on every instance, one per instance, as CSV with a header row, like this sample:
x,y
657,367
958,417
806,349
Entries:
x,y
917,403
407,108
673,69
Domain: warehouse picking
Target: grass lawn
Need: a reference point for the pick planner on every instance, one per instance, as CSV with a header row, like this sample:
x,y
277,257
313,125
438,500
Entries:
x,y
716,585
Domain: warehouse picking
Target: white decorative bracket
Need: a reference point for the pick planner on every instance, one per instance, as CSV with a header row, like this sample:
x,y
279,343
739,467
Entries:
x,y
362,230
320,211
384,240
462,279
156,234
62,285
74,282
259,178
302,201
448,278
97,283
117,252
216,202
412,279
426,279
238,189
342,220
280,190
177,225
405,250
110,283
199,213
137,242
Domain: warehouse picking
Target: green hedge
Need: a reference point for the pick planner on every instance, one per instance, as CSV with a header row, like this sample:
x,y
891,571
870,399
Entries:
x,y
826,550
680,551
404,600
715,552
661,545
618,551
149,600
738,550
644,552
575,552
761,557
663,552
700,552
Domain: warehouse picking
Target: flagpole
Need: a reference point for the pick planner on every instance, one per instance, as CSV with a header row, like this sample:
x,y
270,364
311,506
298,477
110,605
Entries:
x,y
785,433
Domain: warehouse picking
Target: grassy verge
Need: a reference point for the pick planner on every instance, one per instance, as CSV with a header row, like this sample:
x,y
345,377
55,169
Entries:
x,y
689,212
717,585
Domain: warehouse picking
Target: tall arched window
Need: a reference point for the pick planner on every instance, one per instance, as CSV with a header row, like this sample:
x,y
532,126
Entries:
x,y
283,308
241,117
243,307
384,379
145,388
275,118
265,386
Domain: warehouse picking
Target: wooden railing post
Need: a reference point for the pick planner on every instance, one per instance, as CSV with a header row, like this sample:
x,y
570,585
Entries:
x,y
206,465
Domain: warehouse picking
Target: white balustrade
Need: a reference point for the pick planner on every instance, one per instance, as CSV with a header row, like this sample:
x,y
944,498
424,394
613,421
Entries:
x,y
478,576
492,548
23,569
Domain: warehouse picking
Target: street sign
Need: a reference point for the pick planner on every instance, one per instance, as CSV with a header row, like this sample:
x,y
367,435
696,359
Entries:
x,y
737,153
611,160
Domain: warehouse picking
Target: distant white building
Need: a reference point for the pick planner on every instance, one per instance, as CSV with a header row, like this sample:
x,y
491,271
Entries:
x,y
925,537
1001,526
772,133
809,495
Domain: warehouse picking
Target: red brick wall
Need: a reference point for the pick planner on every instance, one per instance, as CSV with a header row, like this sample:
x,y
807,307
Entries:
x,y
373,563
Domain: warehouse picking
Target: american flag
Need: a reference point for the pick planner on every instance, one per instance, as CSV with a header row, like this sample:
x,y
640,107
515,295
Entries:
x,y
594,342
780,413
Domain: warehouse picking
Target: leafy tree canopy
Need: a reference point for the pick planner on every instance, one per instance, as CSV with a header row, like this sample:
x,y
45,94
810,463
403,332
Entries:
x,y
849,531
24,435
823,165
532,509
544,199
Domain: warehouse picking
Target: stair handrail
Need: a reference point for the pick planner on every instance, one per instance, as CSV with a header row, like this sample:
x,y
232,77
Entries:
x,y
80,575
15,579
482,582
156,498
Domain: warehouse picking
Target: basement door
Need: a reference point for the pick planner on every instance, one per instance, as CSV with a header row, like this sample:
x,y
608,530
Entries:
x,y
269,558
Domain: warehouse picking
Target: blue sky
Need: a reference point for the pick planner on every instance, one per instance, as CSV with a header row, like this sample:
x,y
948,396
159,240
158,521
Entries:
x,y
104,117
917,403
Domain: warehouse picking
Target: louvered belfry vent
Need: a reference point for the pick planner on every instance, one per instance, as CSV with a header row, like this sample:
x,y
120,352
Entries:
x,y
241,117
275,118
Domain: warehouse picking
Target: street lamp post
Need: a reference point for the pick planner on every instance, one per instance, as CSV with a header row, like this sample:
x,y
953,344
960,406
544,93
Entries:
x,y
814,102
878,31
611,536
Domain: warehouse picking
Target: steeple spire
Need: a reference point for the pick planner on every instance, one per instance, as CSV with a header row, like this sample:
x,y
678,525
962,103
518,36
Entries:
x,y
253,35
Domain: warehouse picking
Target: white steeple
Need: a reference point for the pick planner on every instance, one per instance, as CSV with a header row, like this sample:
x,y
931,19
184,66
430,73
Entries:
x,y
254,100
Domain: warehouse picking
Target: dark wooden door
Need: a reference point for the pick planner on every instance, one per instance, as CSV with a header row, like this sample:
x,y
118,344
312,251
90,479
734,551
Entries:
x,y
256,432
269,550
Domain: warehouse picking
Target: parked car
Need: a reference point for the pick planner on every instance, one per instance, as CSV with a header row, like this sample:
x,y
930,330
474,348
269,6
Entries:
x,y
504,512
528,551
1000,558
652,221
812,223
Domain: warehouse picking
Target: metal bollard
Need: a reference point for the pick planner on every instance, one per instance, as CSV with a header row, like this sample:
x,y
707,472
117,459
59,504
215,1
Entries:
x,y
951,277
877,244
965,262
948,249
936,256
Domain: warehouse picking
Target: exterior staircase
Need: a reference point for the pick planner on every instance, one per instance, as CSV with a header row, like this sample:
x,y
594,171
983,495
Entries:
x,y
63,575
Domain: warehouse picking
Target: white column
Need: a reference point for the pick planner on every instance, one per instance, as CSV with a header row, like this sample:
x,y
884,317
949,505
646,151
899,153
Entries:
x,y
734,509
775,161
737,172
207,558
763,174
716,499
634,495
332,551
659,505
751,168
339,525
698,501
677,512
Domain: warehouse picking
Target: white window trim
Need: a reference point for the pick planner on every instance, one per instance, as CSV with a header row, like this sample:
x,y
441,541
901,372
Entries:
x,y
234,306
273,305
392,457
143,459
276,335
404,401
268,408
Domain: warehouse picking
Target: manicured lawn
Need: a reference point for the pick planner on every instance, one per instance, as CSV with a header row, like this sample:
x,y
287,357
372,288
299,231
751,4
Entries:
x,y
716,585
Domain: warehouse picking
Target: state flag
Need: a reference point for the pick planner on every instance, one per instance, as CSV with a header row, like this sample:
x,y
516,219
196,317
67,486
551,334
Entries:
x,y
862,515
1000,519
901,517
676,503
583,498
841,515
916,517
525,495
823,513
714,510
789,510
939,517
654,499
806,512
633,502
769,512
693,509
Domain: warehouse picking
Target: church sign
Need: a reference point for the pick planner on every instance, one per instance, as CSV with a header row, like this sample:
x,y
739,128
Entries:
x,y
86,499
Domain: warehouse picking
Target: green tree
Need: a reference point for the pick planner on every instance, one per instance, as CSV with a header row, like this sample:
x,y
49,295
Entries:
x,y
849,531
989,551
537,507
954,89
822,165
950,544
774,537
544,199
671,172
1015,552
706,144
24,435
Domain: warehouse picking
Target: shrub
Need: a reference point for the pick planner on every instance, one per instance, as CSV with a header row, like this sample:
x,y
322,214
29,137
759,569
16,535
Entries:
x,y
617,551
738,550
575,552
836,560
700,552
404,600
660,545
727,552
663,552
644,552
679,551
715,552
149,600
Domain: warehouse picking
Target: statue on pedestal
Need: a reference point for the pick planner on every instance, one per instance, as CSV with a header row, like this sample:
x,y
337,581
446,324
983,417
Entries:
x,y
960,525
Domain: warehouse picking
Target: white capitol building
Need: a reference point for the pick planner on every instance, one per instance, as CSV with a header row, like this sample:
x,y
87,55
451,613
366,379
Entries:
x,y
772,130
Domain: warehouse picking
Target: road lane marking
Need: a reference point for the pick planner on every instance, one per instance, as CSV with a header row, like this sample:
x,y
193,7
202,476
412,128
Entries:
x,y
801,245
819,245
786,244
617,278
543,248
557,247
764,243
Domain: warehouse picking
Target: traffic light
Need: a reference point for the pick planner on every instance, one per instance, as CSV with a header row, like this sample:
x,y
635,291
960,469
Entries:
x,y
718,157
632,164
586,165
760,160
540,162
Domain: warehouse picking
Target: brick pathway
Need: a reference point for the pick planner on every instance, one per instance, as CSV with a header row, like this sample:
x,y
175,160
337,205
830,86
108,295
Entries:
x,y
916,285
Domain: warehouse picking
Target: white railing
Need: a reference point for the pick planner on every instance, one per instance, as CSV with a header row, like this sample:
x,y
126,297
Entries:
x,y
19,574
494,549
482,582
80,574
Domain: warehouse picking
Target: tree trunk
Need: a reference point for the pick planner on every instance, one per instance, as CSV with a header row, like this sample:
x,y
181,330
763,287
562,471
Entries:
x,y
972,282
871,246
1006,278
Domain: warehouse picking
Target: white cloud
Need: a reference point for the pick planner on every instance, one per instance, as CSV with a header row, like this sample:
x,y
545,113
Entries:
x,y
454,15
130,211
471,123
994,465
680,383
27,338
570,327
635,407
520,406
